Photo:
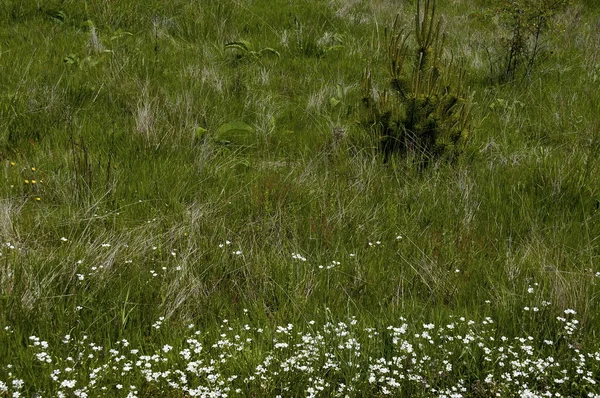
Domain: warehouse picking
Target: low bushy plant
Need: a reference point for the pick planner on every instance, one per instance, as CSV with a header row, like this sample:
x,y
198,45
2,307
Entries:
x,y
425,111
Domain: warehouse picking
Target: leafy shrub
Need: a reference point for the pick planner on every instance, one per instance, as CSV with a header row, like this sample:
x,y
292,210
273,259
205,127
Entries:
x,y
425,112
526,22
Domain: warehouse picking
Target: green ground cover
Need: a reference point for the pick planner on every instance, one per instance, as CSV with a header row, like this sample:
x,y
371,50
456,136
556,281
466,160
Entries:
x,y
191,206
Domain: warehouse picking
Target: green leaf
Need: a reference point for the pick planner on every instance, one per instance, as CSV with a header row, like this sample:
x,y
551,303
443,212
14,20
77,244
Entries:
x,y
340,91
117,34
71,59
334,101
57,16
335,47
234,127
270,51
242,45
235,132
200,133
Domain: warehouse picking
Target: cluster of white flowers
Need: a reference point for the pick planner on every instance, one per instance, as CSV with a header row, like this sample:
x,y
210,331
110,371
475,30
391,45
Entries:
x,y
297,256
100,270
333,264
454,357
227,243
336,359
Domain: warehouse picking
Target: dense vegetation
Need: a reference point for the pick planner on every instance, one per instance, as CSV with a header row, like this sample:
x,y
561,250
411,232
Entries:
x,y
195,200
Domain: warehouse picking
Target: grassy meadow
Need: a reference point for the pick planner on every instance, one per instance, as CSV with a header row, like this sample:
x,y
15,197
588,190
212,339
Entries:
x,y
191,206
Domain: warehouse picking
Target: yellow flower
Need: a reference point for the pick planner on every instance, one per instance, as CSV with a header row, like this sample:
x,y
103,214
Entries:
x,y
12,163
33,169
38,199
26,181
33,181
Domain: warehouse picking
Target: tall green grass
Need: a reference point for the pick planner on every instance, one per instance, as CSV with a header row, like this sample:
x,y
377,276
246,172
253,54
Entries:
x,y
113,110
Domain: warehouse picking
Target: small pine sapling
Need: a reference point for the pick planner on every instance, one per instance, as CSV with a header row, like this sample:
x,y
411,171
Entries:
x,y
425,112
